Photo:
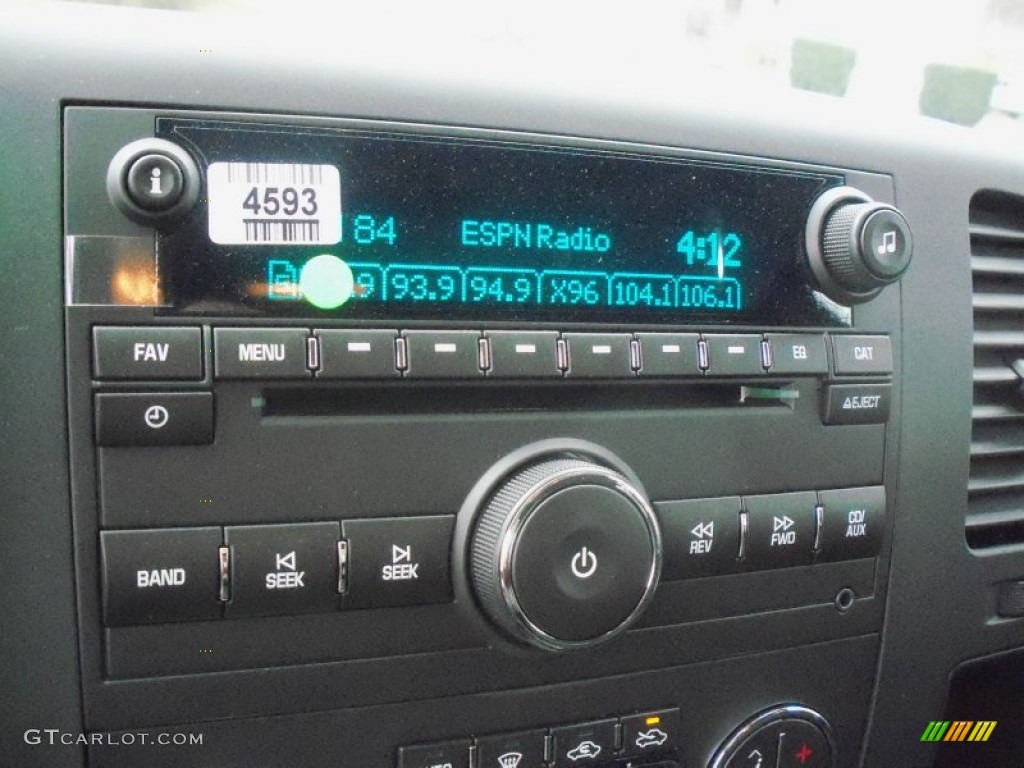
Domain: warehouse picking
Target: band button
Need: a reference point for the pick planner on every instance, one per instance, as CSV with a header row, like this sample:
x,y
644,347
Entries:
x,y
159,576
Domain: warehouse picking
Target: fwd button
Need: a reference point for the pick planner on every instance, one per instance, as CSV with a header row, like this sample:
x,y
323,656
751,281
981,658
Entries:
x,y
781,529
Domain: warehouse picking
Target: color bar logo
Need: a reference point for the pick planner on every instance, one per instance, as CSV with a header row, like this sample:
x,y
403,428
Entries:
x,y
958,730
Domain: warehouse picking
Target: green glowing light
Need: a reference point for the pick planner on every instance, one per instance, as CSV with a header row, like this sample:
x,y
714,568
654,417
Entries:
x,y
326,281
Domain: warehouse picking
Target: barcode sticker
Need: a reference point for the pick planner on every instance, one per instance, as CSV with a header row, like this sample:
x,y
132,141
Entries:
x,y
274,204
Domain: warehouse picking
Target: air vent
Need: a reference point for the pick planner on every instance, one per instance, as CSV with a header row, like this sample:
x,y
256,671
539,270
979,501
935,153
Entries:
x,y
995,513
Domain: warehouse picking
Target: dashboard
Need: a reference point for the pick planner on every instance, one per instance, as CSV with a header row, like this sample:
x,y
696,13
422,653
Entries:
x,y
373,411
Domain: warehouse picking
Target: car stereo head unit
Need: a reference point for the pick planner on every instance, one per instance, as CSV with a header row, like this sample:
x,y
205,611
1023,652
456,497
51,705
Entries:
x,y
498,410
265,219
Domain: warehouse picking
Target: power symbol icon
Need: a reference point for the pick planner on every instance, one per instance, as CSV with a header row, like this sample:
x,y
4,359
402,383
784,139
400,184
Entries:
x,y
584,563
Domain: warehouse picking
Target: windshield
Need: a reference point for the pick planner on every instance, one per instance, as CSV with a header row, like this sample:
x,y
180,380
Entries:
x,y
961,62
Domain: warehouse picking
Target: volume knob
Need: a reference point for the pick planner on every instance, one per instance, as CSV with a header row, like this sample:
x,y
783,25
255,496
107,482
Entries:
x,y
856,246
566,553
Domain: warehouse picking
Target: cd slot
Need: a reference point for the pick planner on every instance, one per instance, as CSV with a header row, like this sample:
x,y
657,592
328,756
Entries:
x,y
400,398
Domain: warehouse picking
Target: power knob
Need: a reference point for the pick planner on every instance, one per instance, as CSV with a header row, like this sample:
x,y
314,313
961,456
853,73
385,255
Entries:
x,y
856,246
565,553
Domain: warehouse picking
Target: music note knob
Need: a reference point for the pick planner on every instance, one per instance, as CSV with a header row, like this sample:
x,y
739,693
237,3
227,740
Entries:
x,y
856,246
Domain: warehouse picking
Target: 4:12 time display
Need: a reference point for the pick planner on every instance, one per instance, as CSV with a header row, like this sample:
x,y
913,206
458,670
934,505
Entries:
x,y
720,250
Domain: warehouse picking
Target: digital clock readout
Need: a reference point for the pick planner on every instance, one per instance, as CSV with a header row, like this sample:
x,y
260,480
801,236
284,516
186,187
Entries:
x,y
437,228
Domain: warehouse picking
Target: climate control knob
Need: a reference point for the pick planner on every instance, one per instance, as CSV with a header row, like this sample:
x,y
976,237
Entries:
x,y
855,246
566,553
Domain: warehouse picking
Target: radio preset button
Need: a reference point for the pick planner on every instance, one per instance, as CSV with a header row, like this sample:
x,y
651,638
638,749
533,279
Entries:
x,y
260,353
734,354
852,522
669,354
862,355
798,354
154,418
398,561
443,354
147,353
856,403
282,569
599,355
781,529
701,536
158,576
524,354
357,354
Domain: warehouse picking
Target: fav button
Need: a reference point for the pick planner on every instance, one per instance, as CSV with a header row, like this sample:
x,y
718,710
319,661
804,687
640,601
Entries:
x,y
154,418
781,529
158,576
398,561
260,353
282,569
147,353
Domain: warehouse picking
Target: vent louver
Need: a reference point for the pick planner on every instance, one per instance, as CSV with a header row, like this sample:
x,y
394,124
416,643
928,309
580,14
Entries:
x,y
995,513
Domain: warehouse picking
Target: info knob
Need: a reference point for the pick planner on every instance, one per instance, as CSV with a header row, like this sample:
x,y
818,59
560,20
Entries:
x,y
565,553
856,246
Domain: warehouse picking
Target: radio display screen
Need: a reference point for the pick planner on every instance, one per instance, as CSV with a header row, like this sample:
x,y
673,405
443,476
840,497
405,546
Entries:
x,y
320,222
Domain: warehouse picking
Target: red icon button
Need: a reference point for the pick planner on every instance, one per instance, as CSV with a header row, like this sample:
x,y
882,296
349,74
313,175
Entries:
x,y
804,753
